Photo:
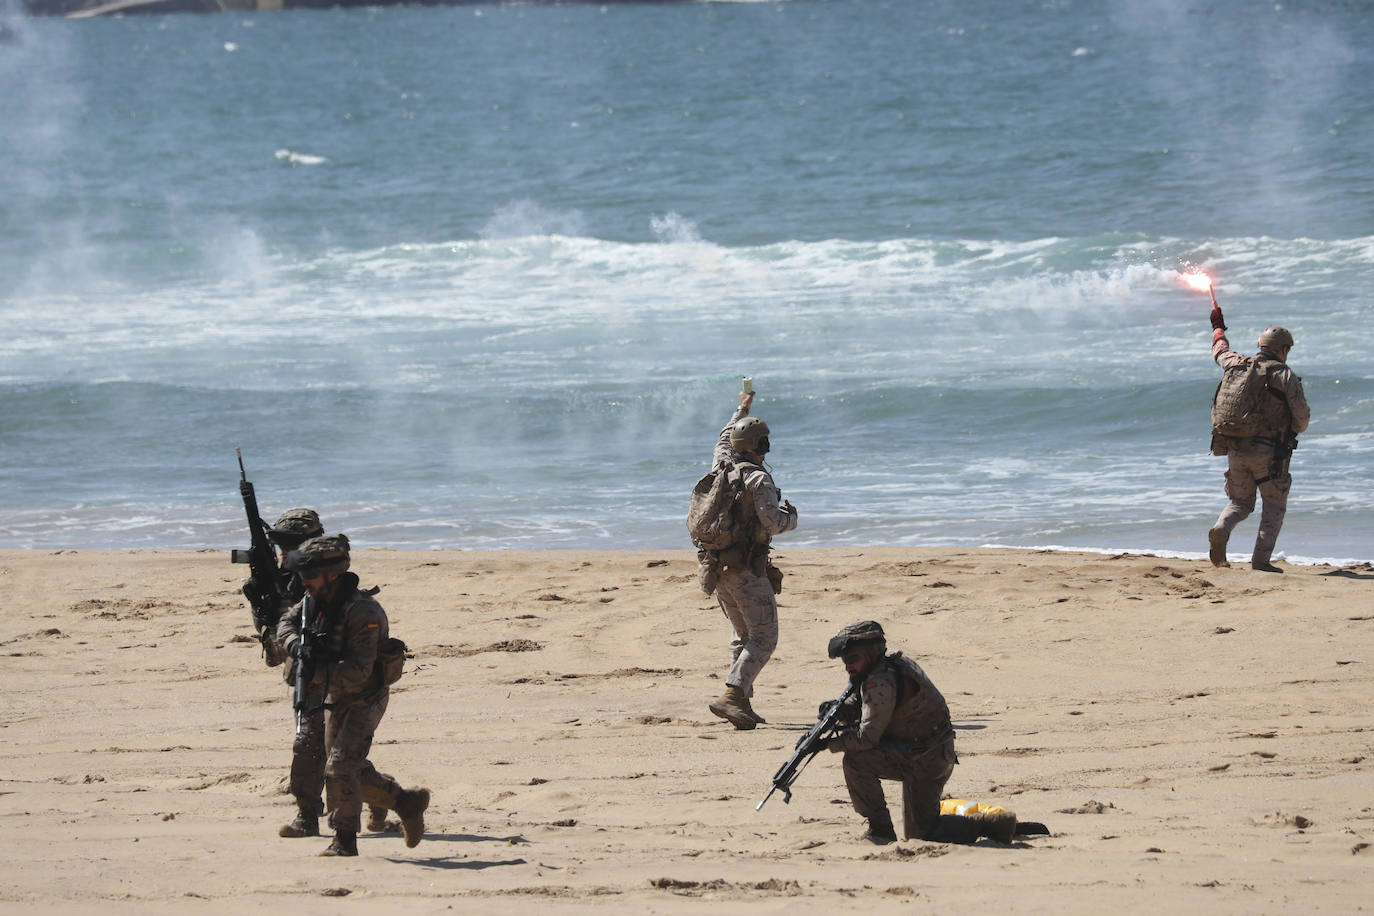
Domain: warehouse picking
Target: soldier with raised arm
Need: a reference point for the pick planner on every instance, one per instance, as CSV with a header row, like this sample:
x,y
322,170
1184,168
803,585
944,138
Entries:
x,y
745,581
1259,463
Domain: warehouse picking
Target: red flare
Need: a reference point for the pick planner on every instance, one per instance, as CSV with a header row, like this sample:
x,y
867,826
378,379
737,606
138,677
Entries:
x,y
1197,282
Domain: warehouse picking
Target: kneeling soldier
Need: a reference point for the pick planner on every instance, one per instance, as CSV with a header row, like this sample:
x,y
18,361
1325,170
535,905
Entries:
x,y
901,731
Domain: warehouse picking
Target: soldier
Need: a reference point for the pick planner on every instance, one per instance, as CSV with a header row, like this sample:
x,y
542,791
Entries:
x,y
292,528
901,731
747,581
1259,462
346,700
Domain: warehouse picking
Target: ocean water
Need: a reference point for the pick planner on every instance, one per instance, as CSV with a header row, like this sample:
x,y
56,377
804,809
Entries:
x,y
487,276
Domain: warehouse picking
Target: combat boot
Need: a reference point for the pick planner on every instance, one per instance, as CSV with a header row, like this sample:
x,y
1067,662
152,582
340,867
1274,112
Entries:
x,y
303,825
410,807
734,706
345,843
748,705
1264,566
376,819
880,834
1000,826
1216,546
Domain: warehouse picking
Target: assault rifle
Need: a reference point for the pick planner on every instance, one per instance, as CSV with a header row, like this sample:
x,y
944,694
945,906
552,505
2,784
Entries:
x,y
305,661
811,744
261,587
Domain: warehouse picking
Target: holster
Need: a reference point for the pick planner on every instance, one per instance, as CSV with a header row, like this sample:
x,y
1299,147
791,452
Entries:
x,y
774,578
1283,456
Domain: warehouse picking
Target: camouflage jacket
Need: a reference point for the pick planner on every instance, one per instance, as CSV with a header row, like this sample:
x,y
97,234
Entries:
x,y
352,627
898,702
290,590
765,495
1286,411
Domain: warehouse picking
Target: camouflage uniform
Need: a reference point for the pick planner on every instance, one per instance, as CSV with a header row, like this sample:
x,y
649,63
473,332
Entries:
x,y
346,703
903,733
743,589
1249,461
289,587
290,530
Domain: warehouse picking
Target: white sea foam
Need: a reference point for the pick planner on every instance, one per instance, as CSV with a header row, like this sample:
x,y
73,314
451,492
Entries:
x,y
673,229
291,157
526,219
1237,560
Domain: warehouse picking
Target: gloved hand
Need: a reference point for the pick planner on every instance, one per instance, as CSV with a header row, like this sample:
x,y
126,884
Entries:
x,y
788,507
1217,321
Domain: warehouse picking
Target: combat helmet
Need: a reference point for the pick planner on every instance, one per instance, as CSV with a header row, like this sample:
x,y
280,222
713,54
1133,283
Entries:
x,y
749,434
857,634
1275,336
295,526
325,554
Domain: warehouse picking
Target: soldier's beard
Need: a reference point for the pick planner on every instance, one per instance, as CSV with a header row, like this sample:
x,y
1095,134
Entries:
x,y
857,679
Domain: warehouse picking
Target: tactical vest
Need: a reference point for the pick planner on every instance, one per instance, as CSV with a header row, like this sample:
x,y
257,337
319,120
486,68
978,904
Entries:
x,y
330,626
921,710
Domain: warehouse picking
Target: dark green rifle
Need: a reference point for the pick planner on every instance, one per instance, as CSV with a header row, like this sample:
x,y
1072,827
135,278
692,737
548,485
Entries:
x,y
307,652
264,574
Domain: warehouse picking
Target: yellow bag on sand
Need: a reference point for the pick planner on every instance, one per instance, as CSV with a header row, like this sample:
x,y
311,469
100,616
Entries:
x,y
964,806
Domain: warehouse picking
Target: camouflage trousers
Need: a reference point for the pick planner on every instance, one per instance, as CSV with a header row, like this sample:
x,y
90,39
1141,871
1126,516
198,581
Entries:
x,y
1244,470
307,758
350,779
923,777
748,602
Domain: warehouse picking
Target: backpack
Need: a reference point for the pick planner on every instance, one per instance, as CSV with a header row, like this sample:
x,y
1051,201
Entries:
x,y
712,520
1238,404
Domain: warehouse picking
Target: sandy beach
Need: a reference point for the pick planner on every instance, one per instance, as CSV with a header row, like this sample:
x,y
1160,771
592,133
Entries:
x,y
1196,739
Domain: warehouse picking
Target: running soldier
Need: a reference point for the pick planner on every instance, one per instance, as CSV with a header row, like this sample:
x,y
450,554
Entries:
x,y
338,632
291,529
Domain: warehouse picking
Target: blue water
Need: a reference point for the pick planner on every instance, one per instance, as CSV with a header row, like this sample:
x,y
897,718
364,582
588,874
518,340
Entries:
x,y
487,276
